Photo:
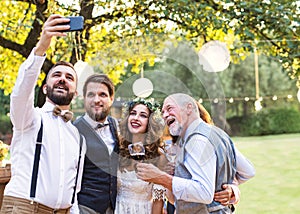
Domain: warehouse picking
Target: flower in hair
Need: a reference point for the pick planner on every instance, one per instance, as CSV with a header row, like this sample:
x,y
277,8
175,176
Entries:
x,y
150,103
153,106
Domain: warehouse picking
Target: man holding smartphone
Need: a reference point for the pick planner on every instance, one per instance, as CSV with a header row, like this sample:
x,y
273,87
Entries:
x,y
46,149
75,23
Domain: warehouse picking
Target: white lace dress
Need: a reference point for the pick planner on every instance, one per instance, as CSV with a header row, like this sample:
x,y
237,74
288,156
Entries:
x,y
134,195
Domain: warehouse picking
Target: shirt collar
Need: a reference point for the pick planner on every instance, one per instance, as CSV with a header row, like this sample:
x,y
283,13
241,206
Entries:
x,y
48,107
92,122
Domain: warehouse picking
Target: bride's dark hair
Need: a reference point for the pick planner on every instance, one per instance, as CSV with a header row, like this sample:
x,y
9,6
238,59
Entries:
x,y
152,139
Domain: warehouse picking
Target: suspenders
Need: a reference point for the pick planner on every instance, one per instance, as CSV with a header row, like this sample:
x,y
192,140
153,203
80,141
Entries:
x,y
76,178
37,160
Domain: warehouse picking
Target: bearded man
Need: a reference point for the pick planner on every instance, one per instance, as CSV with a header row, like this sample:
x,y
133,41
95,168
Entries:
x,y
99,181
46,147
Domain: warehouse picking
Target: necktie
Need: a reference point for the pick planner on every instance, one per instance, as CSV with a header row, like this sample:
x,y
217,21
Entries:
x,y
100,125
66,115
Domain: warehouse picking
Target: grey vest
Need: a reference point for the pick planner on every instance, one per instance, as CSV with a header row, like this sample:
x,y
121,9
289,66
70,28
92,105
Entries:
x,y
99,179
225,171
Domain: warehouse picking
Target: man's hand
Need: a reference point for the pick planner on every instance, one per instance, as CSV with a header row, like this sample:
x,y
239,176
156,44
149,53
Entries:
x,y
52,27
149,172
225,195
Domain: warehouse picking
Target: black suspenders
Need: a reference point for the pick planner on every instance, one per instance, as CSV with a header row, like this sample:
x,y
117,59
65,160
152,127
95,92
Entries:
x,y
37,160
76,178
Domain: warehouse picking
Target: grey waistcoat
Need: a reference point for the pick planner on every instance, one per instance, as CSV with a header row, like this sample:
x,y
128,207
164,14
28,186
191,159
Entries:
x,y
225,171
99,179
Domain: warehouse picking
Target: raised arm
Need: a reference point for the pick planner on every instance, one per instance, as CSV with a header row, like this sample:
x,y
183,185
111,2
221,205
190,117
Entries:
x,y
22,97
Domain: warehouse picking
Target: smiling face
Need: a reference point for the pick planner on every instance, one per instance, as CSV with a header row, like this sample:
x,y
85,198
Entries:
x,y
60,87
97,101
173,117
138,121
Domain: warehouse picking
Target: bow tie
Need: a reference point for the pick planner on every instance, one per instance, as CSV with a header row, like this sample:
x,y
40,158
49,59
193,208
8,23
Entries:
x,y
66,115
100,125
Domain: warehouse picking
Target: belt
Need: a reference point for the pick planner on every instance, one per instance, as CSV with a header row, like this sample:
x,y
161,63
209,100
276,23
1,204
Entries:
x,y
37,206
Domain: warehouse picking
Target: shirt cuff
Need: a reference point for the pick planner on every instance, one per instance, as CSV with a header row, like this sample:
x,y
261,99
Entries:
x,y
236,197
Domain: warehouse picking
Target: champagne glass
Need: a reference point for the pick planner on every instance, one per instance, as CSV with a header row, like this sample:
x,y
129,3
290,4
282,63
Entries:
x,y
137,151
171,150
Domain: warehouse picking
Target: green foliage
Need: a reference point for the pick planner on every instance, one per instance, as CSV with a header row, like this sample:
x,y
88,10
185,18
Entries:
x,y
239,82
284,121
267,121
4,100
5,125
143,27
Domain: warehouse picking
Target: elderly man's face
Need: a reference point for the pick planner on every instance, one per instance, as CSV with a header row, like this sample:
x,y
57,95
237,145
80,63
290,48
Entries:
x,y
172,115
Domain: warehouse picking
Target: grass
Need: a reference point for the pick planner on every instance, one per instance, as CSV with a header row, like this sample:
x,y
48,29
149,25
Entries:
x,y
276,186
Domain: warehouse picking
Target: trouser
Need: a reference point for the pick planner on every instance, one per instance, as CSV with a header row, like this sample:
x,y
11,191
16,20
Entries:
x,y
170,208
14,205
86,210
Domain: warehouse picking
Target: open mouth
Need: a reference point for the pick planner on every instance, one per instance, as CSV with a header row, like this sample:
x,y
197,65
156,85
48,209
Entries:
x,y
171,121
61,88
135,125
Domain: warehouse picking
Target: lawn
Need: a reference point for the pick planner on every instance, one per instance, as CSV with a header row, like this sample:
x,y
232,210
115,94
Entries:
x,y
275,189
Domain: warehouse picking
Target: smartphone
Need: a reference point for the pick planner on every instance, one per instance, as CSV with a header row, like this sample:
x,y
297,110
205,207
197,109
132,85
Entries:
x,y
76,23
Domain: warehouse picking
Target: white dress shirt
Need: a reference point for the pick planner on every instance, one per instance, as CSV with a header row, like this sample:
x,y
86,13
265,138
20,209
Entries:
x,y
104,132
244,168
244,171
60,144
200,160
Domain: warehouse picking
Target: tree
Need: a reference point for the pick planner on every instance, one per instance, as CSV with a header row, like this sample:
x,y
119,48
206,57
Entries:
x,y
120,33
239,82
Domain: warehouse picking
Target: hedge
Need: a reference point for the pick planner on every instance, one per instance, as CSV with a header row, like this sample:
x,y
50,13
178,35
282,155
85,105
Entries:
x,y
265,122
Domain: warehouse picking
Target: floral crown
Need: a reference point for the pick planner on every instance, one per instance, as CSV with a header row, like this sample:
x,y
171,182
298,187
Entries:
x,y
150,103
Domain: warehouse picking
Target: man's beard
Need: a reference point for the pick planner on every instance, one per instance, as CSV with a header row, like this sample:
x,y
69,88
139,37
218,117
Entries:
x,y
98,116
176,129
59,99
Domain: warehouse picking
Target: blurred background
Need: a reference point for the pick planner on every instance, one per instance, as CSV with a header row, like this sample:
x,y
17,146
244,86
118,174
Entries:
x,y
252,93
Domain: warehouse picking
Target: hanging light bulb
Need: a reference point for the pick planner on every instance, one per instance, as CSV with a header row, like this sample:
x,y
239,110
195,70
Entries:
x,y
142,87
257,105
214,56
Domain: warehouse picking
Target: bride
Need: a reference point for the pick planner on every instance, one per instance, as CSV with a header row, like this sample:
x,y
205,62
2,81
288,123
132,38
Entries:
x,y
140,140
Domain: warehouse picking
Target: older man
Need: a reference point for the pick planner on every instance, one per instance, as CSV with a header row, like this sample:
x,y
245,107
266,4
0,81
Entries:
x,y
204,148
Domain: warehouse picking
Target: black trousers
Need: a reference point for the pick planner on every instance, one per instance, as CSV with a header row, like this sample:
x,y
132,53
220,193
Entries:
x,y
170,208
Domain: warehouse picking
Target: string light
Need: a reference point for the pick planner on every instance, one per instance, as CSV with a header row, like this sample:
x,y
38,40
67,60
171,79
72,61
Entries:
x,y
246,99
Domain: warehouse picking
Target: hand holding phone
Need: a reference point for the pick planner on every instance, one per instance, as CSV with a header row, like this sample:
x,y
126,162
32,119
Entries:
x,y
76,23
